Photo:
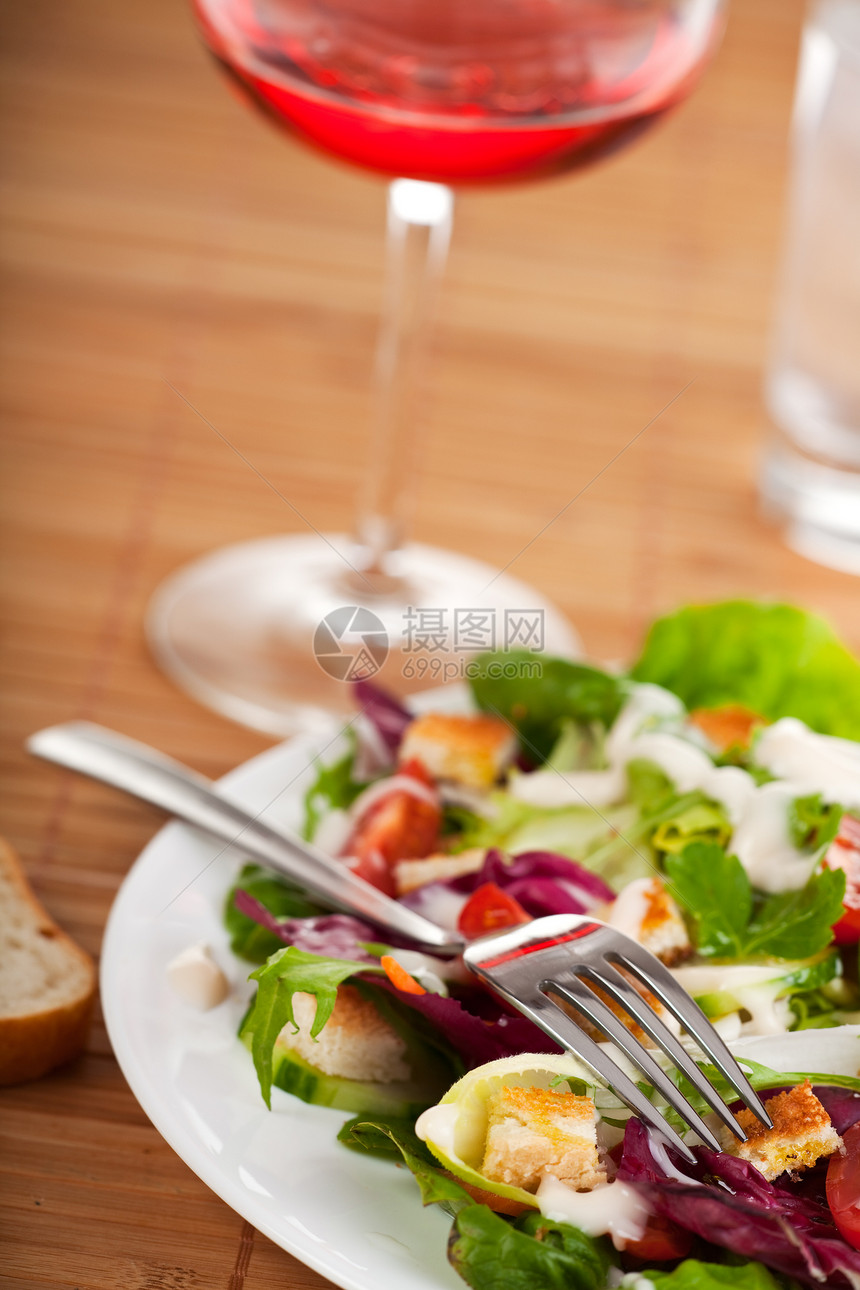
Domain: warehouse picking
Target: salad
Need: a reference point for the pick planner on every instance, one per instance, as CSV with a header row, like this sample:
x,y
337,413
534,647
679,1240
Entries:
x,y
706,803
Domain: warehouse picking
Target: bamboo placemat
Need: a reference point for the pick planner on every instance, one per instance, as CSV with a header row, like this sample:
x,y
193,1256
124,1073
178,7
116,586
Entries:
x,y
156,232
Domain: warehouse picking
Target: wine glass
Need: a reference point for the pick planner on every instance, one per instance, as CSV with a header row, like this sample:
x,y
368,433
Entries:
x,y
432,93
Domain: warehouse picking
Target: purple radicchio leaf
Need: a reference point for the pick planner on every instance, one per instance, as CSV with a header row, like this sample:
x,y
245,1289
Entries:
x,y
728,1202
334,936
385,713
477,1039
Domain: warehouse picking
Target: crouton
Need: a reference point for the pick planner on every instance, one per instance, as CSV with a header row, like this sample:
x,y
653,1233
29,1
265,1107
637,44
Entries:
x,y
801,1134
410,874
534,1132
355,1043
472,750
645,910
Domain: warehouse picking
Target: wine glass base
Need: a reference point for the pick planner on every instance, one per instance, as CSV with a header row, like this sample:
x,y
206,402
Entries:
x,y
242,630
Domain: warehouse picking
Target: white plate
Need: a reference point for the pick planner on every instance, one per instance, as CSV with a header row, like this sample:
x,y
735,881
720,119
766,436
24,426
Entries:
x,y
357,1221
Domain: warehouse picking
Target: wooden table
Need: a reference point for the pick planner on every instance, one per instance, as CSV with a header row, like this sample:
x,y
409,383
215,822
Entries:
x,y
155,231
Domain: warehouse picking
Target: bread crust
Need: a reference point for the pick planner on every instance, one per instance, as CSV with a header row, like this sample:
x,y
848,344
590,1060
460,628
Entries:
x,y
34,1037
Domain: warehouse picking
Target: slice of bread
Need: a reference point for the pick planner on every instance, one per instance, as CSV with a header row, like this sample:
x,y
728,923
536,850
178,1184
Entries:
x,y
47,982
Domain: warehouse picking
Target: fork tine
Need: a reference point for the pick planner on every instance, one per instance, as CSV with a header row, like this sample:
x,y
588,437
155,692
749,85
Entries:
x,y
659,981
565,1032
619,988
586,1001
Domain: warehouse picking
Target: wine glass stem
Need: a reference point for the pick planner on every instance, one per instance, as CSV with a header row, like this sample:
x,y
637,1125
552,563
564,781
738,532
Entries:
x,y
418,231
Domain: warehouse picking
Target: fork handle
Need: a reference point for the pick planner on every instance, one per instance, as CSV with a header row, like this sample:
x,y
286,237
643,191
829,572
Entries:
x,y
153,777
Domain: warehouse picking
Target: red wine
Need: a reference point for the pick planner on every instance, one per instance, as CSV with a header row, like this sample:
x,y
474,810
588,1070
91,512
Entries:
x,y
463,90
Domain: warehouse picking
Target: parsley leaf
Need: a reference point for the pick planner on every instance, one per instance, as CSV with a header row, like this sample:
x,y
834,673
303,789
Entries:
x,y
797,924
715,891
731,922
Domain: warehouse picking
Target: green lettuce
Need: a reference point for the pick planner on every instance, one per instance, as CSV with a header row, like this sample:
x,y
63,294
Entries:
x,y
391,1138
734,922
694,1275
532,1253
282,898
334,789
776,659
539,696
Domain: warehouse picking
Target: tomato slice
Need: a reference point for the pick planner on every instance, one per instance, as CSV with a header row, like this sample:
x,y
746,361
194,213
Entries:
x,y
489,909
661,1242
843,1187
844,853
399,826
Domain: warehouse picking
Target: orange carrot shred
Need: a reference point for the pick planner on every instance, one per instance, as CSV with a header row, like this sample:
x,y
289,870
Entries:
x,y
399,976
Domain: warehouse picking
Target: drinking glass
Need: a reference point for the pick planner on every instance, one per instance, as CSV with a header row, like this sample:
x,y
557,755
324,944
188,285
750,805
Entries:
x,y
811,474
430,93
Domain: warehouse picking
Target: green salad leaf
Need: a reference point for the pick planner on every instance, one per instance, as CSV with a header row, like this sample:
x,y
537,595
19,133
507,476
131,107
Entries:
x,y
694,1275
287,973
282,898
538,695
715,891
533,1253
776,659
732,922
701,822
395,1139
334,789
812,822
797,924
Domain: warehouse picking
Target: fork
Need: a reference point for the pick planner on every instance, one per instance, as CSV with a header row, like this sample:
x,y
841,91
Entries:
x,y
560,957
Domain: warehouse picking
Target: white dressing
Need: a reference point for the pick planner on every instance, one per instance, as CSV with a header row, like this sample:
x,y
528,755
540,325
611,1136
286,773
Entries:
x,y
615,1209
554,788
813,763
196,977
438,1124
763,844
805,762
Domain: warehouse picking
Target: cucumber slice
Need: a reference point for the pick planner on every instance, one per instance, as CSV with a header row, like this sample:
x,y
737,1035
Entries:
x,y
293,1074
721,988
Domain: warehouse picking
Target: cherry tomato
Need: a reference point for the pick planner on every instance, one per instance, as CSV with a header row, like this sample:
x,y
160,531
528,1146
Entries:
x,y
661,1241
844,853
488,909
399,826
843,1187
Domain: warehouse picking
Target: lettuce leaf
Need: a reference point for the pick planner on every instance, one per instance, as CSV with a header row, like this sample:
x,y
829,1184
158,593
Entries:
x,y
538,695
280,897
334,789
775,659
694,1275
533,1253
395,1139
732,922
